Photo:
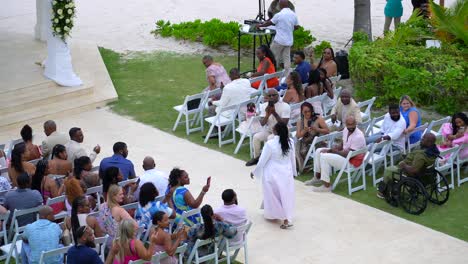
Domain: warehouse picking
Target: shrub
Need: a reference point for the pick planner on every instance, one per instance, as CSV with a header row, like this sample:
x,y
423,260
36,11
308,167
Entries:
x,y
396,65
318,49
215,33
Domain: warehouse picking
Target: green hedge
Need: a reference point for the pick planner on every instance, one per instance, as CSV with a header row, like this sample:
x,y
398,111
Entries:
x,y
215,33
398,64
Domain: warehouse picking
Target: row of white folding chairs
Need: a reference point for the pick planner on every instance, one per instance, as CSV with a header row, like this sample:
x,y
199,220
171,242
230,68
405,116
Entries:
x,y
450,159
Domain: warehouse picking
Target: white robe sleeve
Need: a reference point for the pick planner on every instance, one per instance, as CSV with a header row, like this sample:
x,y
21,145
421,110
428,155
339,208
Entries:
x,y
264,158
292,157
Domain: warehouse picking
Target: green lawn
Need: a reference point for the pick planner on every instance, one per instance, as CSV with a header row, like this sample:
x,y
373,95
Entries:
x,y
150,84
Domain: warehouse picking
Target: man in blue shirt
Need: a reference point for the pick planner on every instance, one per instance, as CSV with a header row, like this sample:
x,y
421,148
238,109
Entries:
x,y
302,66
42,235
119,160
83,251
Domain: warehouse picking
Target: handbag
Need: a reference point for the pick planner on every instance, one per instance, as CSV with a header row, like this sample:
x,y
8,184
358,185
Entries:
x,y
66,237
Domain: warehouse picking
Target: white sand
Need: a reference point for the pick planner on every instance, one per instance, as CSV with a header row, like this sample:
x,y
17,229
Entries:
x,y
126,25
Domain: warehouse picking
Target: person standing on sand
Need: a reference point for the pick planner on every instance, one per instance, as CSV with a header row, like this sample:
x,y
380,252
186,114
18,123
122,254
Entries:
x,y
393,10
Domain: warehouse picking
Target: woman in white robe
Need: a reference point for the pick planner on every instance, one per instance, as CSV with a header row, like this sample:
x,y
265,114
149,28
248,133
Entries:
x,y
276,170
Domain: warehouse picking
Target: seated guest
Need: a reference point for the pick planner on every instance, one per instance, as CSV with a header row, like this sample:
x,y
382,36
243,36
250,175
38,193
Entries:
x,y
271,112
412,117
212,227
181,197
83,251
294,94
324,158
58,164
111,213
42,235
46,185
308,127
18,164
328,63
231,212
392,129
80,217
23,198
113,176
267,65
127,247
235,92
33,150
456,134
302,66
74,147
414,164
345,107
53,138
147,206
319,84
151,174
83,167
166,242
216,75
74,187
119,160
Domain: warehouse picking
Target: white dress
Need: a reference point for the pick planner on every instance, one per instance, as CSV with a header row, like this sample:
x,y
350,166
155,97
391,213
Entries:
x,y
276,173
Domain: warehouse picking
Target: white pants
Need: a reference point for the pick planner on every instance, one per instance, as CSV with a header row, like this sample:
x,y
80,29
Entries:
x,y
282,54
324,161
258,138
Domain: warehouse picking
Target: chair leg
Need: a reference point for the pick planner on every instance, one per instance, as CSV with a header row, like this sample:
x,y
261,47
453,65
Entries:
x,y
220,136
177,121
187,125
350,183
209,133
241,140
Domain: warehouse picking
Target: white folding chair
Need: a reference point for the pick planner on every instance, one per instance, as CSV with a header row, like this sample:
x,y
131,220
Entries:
x,y
15,227
353,172
327,139
184,218
192,116
295,113
437,123
46,255
3,233
376,125
366,115
445,165
98,191
11,146
126,182
57,200
101,244
249,134
278,75
365,126
195,257
262,82
13,249
158,257
335,79
235,244
226,117
410,146
460,162
130,206
34,161
318,98
376,157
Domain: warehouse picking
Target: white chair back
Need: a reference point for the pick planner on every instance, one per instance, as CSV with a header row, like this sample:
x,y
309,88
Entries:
x,y
57,200
46,255
185,216
410,146
195,257
437,123
366,115
101,244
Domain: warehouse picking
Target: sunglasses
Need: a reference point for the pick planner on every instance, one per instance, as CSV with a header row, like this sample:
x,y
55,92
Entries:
x,y
272,95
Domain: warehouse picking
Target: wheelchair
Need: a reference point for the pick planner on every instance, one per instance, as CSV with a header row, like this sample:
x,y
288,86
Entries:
x,y
413,193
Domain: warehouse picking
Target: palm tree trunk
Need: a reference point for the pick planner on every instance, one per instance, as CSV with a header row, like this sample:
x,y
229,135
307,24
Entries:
x,y
362,17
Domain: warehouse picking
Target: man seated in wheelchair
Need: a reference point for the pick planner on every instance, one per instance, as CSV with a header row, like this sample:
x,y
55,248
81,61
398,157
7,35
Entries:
x,y
414,165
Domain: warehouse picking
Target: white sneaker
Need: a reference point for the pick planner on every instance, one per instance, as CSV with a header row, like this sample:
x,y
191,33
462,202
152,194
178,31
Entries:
x,y
321,188
312,181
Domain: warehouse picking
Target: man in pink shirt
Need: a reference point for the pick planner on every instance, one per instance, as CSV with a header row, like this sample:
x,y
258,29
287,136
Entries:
x,y
230,212
324,158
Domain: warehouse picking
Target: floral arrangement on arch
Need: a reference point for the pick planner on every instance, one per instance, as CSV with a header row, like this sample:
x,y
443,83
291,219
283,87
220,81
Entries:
x,y
63,12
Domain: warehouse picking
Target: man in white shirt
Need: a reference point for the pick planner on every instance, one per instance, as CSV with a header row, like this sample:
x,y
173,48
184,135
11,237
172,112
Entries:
x,y
392,129
53,138
75,149
235,92
230,212
272,112
285,23
158,178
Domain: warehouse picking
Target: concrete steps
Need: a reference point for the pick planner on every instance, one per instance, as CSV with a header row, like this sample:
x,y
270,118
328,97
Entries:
x,y
40,95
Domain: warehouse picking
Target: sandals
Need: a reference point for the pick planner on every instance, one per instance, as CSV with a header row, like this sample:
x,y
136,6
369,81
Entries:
x,y
283,226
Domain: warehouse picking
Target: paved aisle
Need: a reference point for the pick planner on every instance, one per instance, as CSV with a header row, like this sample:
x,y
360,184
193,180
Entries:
x,y
328,228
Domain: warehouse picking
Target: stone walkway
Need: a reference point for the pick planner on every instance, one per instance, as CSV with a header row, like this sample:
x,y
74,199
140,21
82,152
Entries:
x,y
328,228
